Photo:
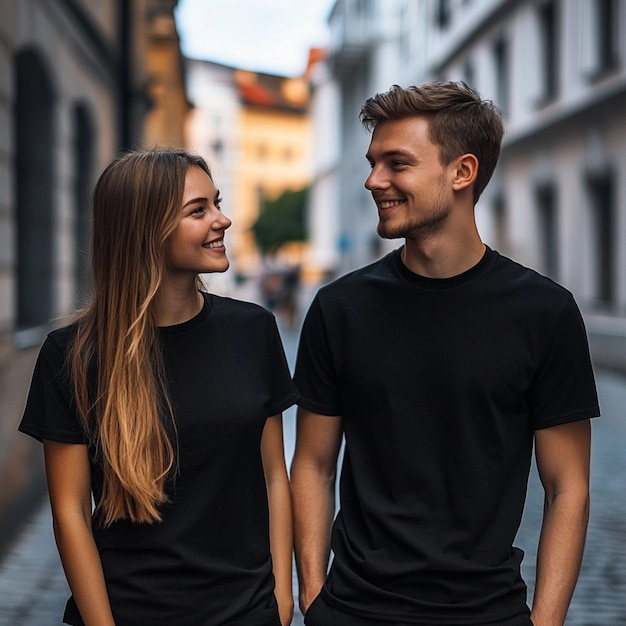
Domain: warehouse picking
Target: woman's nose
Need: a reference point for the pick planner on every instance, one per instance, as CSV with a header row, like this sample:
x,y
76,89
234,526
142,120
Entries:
x,y
223,222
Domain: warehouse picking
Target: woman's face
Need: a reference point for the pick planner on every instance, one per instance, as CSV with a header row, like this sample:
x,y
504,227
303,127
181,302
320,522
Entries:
x,y
197,244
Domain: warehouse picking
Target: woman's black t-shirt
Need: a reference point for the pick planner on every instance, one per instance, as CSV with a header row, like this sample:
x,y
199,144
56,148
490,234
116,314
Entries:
x,y
208,562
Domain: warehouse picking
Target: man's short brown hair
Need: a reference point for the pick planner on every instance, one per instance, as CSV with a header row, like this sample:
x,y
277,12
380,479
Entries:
x,y
460,121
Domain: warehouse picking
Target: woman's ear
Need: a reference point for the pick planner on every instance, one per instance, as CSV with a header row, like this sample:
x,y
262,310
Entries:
x,y
466,170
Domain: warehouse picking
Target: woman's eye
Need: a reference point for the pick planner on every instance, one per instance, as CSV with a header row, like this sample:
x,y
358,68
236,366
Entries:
x,y
197,210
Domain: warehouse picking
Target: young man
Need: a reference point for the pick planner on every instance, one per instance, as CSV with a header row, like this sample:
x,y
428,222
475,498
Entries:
x,y
442,364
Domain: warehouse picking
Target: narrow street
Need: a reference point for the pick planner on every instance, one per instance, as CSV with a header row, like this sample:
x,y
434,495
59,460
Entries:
x,y
33,589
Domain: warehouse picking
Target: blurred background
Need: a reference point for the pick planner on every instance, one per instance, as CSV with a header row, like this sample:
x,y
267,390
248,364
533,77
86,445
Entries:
x,y
269,92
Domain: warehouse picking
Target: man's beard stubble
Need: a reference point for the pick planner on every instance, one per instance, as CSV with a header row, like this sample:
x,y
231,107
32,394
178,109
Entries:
x,y
416,229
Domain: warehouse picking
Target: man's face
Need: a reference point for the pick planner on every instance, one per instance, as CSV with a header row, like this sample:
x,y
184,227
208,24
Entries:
x,y
409,185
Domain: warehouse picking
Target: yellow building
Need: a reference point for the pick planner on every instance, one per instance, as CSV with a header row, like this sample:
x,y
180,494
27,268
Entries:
x,y
164,121
275,150
254,129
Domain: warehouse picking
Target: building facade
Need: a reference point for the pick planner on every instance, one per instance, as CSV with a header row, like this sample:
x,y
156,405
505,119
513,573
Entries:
x,y
557,70
325,246
254,129
79,82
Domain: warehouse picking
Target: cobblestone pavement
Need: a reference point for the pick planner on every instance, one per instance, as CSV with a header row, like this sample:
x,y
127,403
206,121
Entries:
x,y
600,596
33,589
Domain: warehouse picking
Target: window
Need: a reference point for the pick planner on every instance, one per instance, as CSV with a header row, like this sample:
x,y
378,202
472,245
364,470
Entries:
x,y
469,73
363,7
549,41
546,202
262,151
217,147
500,223
35,184
602,203
606,23
84,142
443,13
501,62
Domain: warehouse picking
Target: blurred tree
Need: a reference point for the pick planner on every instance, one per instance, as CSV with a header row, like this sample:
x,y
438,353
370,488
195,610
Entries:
x,y
281,221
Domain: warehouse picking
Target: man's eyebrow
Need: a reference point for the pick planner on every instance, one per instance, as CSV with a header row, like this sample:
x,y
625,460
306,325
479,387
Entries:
x,y
392,153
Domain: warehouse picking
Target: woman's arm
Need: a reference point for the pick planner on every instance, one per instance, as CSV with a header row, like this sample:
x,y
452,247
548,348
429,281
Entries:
x,y
69,486
281,523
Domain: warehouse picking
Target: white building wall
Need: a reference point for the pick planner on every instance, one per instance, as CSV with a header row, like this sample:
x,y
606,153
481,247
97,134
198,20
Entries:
x,y
212,124
211,131
364,60
616,146
323,256
559,142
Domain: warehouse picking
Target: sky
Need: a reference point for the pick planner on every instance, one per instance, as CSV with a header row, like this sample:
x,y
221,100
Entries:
x,y
270,36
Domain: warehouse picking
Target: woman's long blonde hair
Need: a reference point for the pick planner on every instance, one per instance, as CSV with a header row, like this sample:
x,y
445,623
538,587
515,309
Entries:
x,y
136,207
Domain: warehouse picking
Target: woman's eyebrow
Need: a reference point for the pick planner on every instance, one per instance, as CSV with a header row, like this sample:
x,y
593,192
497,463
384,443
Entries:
x,y
193,200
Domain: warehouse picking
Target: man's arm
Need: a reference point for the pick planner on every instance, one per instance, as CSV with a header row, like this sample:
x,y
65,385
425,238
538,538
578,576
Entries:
x,y
563,457
313,474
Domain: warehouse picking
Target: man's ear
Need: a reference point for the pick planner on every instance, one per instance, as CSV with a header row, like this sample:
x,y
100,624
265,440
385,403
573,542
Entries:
x,y
466,170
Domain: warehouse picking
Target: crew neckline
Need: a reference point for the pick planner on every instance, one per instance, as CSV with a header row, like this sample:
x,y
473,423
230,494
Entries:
x,y
195,321
452,282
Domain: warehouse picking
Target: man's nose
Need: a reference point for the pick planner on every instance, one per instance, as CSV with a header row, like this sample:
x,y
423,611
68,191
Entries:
x,y
375,180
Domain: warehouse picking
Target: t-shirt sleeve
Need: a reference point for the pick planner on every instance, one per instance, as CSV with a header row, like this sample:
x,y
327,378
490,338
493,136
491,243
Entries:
x,y
564,388
50,412
315,375
283,391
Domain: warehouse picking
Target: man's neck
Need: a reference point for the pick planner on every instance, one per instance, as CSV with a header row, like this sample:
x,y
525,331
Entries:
x,y
438,258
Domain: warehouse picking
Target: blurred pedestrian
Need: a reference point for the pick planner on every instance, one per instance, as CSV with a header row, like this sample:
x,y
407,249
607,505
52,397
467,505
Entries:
x,y
280,286
163,402
442,364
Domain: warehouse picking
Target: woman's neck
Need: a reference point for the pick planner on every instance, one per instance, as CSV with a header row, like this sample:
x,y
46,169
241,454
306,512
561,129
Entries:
x,y
175,303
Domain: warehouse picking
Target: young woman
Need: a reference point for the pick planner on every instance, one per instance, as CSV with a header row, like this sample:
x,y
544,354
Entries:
x,y
163,403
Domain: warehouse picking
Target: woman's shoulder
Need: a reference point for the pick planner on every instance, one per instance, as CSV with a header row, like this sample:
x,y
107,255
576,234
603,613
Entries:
x,y
235,306
242,313
60,339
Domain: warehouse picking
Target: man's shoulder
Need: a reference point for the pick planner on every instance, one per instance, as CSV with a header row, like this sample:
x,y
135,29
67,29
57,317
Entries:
x,y
525,278
379,269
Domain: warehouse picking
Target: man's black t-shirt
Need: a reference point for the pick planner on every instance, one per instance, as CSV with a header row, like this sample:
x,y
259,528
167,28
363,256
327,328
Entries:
x,y
440,385
208,562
